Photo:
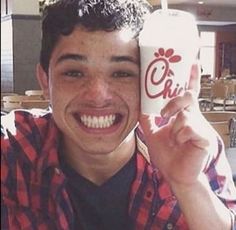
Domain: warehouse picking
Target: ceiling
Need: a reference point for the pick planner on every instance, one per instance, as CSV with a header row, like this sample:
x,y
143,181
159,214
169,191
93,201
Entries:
x,y
195,2
211,12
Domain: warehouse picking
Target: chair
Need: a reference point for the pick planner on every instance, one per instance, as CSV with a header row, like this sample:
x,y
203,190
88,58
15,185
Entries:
x,y
3,94
232,132
220,120
35,103
204,98
34,99
221,98
205,78
12,102
35,94
205,92
219,94
231,88
23,102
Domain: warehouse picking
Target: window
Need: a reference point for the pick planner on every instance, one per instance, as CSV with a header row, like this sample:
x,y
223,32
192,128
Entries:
x,y
207,53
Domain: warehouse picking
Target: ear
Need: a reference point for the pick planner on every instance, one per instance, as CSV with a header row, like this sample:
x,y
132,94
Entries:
x,y
43,80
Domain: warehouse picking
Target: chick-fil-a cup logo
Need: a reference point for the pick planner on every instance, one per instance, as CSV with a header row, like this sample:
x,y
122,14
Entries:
x,y
162,76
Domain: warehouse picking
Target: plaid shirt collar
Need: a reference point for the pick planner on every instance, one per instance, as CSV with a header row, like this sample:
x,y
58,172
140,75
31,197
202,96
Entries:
x,y
49,153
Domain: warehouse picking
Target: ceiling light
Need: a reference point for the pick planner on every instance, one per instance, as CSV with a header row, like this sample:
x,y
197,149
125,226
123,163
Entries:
x,y
200,2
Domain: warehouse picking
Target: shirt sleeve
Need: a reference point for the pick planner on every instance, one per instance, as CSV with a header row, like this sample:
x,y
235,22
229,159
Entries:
x,y
220,178
8,206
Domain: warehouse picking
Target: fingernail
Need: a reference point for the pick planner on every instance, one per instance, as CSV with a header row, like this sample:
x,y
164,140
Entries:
x,y
164,113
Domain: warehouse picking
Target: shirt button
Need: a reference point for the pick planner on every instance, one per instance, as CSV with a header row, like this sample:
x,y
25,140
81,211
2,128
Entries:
x,y
169,226
57,171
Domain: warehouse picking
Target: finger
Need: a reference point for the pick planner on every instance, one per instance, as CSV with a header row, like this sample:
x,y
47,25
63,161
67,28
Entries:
x,y
185,128
179,103
147,124
194,87
179,122
187,134
194,81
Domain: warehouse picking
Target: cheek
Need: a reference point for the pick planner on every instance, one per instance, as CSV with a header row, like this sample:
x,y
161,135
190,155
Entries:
x,y
60,92
133,99
60,98
134,110
136,95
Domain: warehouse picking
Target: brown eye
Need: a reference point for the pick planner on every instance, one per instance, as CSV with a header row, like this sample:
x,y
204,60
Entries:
x,y
73,73
121,74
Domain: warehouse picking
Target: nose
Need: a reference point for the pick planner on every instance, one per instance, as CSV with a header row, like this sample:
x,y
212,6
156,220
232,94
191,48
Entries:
x,y
97,91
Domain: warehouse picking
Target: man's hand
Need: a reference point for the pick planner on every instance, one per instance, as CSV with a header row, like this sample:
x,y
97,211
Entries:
x,y
181,148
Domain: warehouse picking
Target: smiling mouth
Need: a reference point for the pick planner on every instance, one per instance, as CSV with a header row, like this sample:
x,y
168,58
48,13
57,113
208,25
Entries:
x,y
99,122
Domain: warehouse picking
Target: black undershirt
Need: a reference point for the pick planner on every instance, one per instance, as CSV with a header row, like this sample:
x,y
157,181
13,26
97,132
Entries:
x,y
102,207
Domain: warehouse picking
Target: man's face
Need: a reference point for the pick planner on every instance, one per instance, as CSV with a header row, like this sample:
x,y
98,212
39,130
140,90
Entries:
x,y
94,88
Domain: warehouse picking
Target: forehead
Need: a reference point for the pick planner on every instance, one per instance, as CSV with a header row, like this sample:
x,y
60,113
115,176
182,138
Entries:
x,y
97,42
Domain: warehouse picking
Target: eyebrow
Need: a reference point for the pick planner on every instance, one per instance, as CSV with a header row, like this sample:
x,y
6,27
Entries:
x,y
79,57
124,58
75,57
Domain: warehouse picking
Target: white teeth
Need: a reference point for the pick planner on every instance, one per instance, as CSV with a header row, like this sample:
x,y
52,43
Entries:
x,y
98,122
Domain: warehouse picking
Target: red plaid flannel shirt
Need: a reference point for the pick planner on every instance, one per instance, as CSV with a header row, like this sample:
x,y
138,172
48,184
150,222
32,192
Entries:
x,y
33,186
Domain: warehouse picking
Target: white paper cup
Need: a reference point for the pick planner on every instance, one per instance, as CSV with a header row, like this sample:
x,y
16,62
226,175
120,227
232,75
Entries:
x,y
169,44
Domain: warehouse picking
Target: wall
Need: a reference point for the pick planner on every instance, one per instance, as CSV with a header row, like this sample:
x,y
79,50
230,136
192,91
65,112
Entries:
x,y
24,7
20,44
226,57
20,52
30,7
208,14
26,46
6,56
224,34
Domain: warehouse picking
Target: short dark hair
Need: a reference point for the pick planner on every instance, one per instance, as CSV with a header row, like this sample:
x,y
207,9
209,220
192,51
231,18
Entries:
x,y
61,18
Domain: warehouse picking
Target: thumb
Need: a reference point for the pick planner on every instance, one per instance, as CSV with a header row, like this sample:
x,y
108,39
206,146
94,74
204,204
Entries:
x,y
151,123
145,123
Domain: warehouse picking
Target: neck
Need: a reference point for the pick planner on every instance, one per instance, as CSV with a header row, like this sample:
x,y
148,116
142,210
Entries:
x,y
98,168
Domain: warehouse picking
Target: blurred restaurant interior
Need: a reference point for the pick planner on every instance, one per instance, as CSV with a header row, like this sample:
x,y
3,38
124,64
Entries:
x,y
216,19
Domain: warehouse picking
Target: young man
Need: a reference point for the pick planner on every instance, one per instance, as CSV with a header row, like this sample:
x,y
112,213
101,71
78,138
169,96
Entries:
x,y
84,163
